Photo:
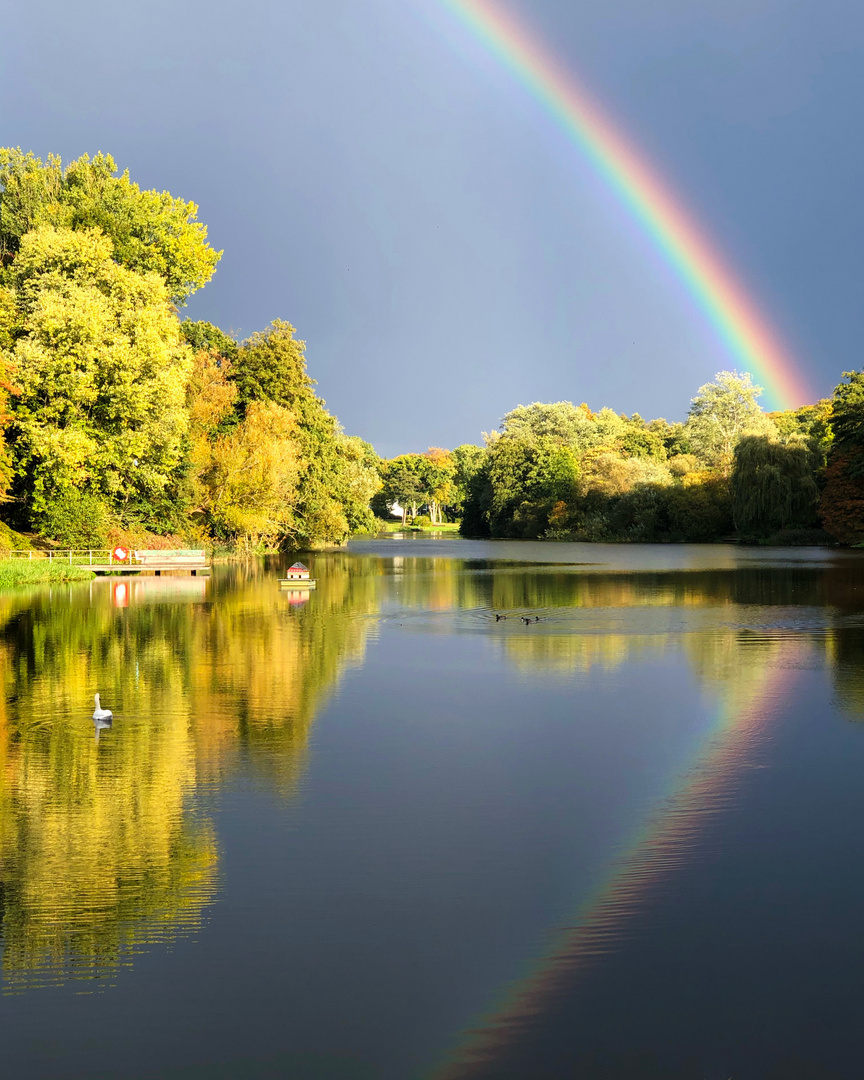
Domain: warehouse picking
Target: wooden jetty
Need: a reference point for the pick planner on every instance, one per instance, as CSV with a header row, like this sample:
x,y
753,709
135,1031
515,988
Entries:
x,y
121,560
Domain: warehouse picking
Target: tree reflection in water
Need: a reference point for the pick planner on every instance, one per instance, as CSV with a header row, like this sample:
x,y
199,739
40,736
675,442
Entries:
x,y
105,847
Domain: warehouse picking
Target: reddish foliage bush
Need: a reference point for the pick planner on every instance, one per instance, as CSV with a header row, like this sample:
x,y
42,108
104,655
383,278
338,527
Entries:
x,y
842,506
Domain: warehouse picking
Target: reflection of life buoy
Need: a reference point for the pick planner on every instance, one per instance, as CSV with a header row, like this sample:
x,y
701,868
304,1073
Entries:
x,y
120,554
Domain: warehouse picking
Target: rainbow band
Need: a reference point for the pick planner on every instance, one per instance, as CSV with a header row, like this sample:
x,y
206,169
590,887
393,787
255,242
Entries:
x,y
742,328
662,847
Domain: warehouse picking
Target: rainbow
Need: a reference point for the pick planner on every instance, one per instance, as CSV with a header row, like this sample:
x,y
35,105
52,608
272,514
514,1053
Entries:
x,y
740,325
660,848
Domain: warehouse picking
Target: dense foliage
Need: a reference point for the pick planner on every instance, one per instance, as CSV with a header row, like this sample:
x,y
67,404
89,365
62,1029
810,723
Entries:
x,y
773,486
119,419
149,231
100,369
562,471
842,505
271,460
556,470
117,416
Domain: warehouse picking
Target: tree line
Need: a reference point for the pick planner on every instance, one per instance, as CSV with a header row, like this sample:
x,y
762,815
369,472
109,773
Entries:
x,y
562,471
121,418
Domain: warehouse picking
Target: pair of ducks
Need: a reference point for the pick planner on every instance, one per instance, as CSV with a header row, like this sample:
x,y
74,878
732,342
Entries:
x,y
522,618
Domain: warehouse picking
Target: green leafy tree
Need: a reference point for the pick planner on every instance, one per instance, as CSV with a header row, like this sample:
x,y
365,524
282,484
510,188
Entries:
x,y
101,373
150,231
405,482
205,337
561,421
271,366
467,461
77,519
127,417
609,428
847,411
842,504
356,480
811,423
695,510
638,439
518,488
722,413
338,476
673,436
566,424
772,486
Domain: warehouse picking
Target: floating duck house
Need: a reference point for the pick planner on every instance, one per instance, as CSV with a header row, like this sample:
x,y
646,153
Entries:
x,y
297,577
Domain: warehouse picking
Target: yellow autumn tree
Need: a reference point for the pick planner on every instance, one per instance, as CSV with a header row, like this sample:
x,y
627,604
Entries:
x,y
249,476
101,371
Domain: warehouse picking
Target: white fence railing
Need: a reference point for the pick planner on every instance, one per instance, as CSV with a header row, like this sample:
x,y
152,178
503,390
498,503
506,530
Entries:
x,y
71,556
106,557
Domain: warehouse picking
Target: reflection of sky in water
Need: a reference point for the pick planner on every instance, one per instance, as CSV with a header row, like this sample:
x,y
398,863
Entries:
x,y
334,836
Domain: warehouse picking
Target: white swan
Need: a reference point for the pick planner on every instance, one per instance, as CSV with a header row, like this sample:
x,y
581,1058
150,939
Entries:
x,y
101,714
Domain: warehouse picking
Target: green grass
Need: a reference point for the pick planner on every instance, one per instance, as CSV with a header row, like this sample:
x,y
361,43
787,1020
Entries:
x,y
397,526
26,572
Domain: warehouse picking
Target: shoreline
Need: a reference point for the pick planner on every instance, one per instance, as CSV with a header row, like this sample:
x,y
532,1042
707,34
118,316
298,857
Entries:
x,y
14,573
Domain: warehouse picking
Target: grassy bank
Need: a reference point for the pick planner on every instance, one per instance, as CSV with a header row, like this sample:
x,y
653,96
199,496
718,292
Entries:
x,y
25,572
397,526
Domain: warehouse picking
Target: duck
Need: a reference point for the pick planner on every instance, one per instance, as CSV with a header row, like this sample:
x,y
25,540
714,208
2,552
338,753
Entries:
x,y
498,618
99,713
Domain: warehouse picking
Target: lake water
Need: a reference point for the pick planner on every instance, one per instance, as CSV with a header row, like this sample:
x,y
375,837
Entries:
x,y
374,832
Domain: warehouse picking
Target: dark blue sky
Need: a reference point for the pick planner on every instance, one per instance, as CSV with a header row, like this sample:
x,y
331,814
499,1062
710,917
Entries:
x,y
378,180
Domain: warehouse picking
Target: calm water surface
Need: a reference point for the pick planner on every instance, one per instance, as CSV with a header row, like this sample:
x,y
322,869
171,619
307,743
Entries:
x,y
375,832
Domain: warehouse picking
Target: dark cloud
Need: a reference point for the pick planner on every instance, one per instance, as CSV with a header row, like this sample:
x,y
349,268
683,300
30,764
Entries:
x,y
378,179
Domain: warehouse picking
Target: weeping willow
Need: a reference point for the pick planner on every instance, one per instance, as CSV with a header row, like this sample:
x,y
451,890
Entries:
x,y
772,486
